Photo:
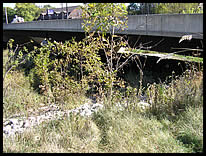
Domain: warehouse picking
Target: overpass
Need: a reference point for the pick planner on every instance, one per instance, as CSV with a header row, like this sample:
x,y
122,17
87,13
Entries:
x,y
166,25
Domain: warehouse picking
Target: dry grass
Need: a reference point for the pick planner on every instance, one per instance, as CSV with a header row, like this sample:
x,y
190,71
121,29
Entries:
x,y
116,132
174,124
173,98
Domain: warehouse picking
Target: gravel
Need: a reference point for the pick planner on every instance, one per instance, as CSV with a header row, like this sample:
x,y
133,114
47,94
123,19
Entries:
x,y
16,125
19,124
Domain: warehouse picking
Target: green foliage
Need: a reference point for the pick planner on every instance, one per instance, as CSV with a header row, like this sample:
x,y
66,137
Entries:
x,y
183,91
189,129
77,66
98,19
141,8
65,70
106,21
147,8
184,8
133,9
16,56
18,96
69,68
28,11
48,7
62,70
163,8
10,14
44,9
112,130
103,123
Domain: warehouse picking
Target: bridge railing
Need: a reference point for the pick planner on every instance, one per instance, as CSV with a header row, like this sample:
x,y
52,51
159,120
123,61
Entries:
x,y
166,25
173,25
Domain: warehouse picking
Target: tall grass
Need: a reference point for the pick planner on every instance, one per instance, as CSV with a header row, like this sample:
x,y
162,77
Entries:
x,y
109,131
173,98
173,123
20,97
189,128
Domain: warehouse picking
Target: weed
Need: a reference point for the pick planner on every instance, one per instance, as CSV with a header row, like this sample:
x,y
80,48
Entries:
x,y
173,98
189,128
173,123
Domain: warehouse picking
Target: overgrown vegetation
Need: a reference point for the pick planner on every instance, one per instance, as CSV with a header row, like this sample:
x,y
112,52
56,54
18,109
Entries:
x,y
174,123
68,73
164,8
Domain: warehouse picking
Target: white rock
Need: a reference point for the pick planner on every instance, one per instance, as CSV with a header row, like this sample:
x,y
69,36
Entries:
x,y
21,123
75,111
143,105
15,125
41,104
7,129
97,106
11,133
88,113
82,113
14,121
26,124
8,122
44,108
31,118
60,113
21,130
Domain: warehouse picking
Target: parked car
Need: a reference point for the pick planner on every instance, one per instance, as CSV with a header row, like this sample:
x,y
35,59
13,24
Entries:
x,y
17,19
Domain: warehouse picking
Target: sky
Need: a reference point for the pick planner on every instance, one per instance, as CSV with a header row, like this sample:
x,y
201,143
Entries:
x,y
56,5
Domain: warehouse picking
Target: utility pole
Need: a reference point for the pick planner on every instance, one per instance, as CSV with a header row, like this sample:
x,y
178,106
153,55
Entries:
x,y
6,16
67,10
147,8
62,11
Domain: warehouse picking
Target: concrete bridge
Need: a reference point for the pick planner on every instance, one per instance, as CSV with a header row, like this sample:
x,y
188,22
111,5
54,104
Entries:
x,y
167,25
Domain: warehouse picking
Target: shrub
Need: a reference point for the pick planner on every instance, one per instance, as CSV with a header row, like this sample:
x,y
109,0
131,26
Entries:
x,y
173,98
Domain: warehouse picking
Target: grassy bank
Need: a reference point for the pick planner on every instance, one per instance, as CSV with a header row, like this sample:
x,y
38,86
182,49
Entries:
x,y
173,123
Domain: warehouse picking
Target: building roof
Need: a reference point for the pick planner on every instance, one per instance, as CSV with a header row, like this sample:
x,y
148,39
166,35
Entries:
x,y
70,9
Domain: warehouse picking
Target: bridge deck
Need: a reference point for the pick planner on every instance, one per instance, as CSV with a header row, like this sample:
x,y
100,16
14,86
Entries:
x,y
170,25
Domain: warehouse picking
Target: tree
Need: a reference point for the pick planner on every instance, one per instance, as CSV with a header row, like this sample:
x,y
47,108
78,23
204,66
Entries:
x,y
44,9
28,11
48,6
169,8
102,21
147,8
141,8
10,14
133,9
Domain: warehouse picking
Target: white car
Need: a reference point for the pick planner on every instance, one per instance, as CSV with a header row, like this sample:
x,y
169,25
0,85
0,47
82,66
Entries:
x,y
17,19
